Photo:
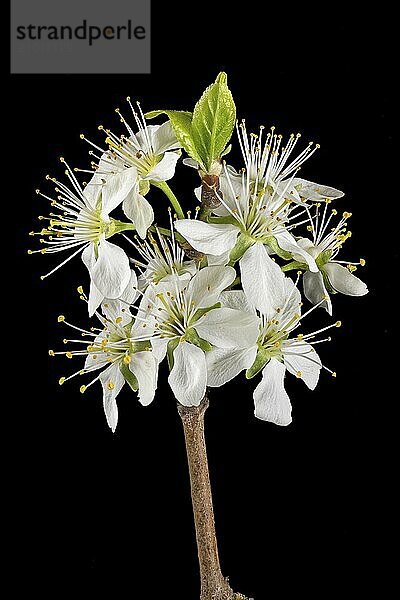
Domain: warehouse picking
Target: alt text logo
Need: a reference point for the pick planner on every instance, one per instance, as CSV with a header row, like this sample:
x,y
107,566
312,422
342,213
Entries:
x,y
80,36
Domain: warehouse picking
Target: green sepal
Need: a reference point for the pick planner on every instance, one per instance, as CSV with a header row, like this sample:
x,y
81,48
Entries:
x,y
243,243
228,220
192,336
263,357
327,283
202,311
172,344
213,121
295,265
116,226
275,247
181,121
141,346
323,258
129,377
144,187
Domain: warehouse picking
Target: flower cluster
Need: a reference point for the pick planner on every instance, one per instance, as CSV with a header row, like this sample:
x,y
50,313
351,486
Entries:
x,y
210,294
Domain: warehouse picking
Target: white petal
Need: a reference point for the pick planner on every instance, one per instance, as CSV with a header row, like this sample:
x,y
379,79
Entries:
x,y
262,280
112,381
165,169
117,188
236,299
315,290
95,296
93,189
111,272
188,378
139,211
209,238
287,242
314,191
144,366
164,139
223,259
229,328
129,294
159,348
225,364
189,162
95,299
343,281
302,360
205,287
270,398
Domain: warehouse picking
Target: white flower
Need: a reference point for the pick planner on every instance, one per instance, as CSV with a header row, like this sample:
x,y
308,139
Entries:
x,y
180,317
117,356
162,259
270,164
133,161
325,245
83,224
277,306
261,216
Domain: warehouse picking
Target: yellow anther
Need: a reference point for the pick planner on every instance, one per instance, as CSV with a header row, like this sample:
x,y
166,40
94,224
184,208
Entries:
x,y
338,324
62,159
42,277
68,354
334,211
79,289
61,318
94,356
82,136
329,339
118,320
82,372
300,336
30,252
61,380
51,352
82,389
297,316
347,215
110,385
299,273
127,359
43,250
362,262
351,268
298,374
89,348
334,374
309,228
65,341
277,344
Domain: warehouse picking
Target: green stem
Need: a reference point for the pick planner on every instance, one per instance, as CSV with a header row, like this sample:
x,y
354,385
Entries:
x,y
163,185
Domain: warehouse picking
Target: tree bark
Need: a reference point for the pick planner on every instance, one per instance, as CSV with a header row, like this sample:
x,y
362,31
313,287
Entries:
x,y
213,585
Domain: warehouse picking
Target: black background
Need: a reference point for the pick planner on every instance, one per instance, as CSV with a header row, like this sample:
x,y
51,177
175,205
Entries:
x,y
298,509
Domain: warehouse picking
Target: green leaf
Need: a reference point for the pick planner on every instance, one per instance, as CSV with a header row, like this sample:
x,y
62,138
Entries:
x,y
181,121
214,118
129,377
193,337
172,344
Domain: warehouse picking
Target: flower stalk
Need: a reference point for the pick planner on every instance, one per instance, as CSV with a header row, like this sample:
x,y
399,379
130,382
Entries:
x,y
213,584
163,185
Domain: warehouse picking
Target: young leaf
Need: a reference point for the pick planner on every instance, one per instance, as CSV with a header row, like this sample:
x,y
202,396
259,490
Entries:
x,y
182,123
213,121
